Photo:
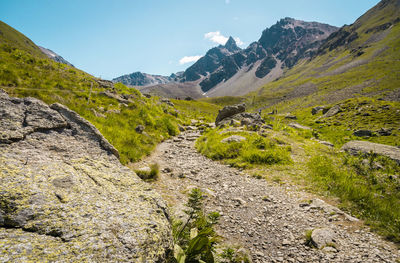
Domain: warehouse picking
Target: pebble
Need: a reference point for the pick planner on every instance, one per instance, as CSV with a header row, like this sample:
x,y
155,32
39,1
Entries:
x,y
268,220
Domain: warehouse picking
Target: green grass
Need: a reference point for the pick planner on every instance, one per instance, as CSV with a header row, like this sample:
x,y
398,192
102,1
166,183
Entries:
x,y
255,150
199,110
23,74
368,192
339,129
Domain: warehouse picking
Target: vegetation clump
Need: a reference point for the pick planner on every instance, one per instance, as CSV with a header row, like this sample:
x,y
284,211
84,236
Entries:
x,y
254,150
195,239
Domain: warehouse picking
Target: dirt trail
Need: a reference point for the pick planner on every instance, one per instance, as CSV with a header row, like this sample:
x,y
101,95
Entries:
x,y
268,219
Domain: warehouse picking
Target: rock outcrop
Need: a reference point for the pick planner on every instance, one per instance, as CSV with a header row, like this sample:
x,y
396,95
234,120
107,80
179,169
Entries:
x,y
235,115
229,111
364,147
65,197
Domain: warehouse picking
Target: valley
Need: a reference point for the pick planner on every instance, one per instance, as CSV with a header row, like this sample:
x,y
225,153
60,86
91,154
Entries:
x,y
286,150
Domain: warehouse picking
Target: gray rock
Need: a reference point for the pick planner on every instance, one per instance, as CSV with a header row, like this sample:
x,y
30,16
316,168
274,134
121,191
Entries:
x,y
245,122
384,131
362,133
317,109
114,96
167,101
322,237
233,138
298,126
229,111
329,144
245,119
65,193
267,126
364,147
333,111
139,129
290,117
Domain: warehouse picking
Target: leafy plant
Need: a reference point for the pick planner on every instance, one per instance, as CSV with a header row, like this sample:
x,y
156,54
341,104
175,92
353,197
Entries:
x,y
195,239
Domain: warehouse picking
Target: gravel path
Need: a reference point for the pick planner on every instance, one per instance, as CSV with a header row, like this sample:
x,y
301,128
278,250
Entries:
x,y
268,219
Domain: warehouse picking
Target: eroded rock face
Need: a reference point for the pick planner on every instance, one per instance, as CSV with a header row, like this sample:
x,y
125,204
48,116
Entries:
x,y
364,147
64,196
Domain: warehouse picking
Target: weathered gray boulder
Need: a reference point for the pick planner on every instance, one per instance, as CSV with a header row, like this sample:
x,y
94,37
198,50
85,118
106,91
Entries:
x,y
364,147
139,129
317,109
291,117
333,111
362,133
244,118
229,111
65,197
322,236
384,131
233,138
298,126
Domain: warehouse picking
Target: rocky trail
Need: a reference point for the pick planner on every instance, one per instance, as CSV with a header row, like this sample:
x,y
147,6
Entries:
x,y
269,220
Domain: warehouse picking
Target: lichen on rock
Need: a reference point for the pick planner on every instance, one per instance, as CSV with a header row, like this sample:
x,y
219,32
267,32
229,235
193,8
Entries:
x,y
65,196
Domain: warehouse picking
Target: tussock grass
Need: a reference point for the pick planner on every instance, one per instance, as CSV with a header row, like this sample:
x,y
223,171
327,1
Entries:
x,y
255,150
151,175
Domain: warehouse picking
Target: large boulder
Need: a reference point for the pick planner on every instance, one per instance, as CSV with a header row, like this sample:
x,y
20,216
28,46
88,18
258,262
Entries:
x,y
362,133
244,119
65,197
364,147
332,111
229,111
322,237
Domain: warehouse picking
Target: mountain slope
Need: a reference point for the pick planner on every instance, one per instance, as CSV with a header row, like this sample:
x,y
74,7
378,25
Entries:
x,y
26,72
54,56
361,59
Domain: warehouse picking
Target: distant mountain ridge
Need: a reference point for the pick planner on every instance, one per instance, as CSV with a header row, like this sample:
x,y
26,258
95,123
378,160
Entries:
x,y
229,70
144,79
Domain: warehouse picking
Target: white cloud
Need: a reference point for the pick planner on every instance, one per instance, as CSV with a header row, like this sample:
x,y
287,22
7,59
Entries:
x,y
188,59
216,37
227,1
238,41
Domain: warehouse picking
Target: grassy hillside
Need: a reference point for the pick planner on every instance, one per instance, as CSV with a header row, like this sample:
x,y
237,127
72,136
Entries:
x,y
114,109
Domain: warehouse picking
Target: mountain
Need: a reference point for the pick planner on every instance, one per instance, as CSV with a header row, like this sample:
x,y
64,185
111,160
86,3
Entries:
x,y
230,70
54,56
361,59
279,47
144,79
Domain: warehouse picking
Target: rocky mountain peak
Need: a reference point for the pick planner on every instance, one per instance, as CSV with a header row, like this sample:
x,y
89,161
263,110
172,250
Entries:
x,y
231,45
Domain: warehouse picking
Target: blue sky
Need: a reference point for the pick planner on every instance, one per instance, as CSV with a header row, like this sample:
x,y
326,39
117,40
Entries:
x,y
111,38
